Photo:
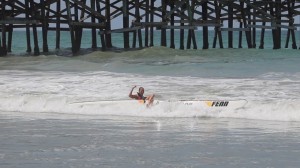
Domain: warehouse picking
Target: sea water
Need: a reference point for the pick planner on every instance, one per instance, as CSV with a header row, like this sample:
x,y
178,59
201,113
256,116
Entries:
x,y
39,127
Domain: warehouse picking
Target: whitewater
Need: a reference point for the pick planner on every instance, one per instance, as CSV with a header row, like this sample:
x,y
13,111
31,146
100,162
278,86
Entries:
x,y
268,80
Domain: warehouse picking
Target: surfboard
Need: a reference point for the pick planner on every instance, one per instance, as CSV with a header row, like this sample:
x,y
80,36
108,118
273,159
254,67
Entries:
x,y
214,103
185,104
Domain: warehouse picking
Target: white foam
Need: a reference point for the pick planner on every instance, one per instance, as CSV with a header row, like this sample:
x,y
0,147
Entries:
x,y
287,110
270,97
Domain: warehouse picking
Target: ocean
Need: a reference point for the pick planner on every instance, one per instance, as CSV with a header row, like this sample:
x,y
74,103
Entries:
x,y
41,127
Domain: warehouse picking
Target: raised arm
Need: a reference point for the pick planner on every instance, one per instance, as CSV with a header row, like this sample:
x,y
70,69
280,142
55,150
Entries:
x,y
132,96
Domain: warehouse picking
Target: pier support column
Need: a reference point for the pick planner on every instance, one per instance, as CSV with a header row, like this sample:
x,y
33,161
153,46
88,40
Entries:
x,y
262,37
218,33
189,35
34,29
126,23
240,36
291,32
172,32
76,30
205,28
27,11
152,20
79,29
3,29
276,32
163,30
10,34
3,47
147,20
10,31
254,29
105,38
44,26
248,33
262,34
278,17
230,24
58,6
183,8
93,20
2,53
108,24
35,39
137,20
71,27
191,32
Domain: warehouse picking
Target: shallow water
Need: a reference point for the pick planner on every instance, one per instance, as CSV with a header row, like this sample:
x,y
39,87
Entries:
x,y
48,140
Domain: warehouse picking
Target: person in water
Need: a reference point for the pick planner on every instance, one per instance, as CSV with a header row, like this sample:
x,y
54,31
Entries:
x,y
140,96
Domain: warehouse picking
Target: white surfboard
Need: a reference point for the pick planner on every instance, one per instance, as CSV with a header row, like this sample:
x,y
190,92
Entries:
x,y
219,105
233,104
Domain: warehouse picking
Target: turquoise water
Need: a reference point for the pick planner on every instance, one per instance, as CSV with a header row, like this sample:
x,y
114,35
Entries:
x,y
19,40
47,116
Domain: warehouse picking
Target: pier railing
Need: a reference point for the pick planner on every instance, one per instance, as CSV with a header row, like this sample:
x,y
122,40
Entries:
x,y
248,17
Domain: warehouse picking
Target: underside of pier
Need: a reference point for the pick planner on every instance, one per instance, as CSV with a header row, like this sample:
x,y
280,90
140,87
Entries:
x,y
139,19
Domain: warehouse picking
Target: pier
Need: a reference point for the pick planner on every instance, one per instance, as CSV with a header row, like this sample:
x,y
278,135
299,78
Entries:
x,y
140,18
